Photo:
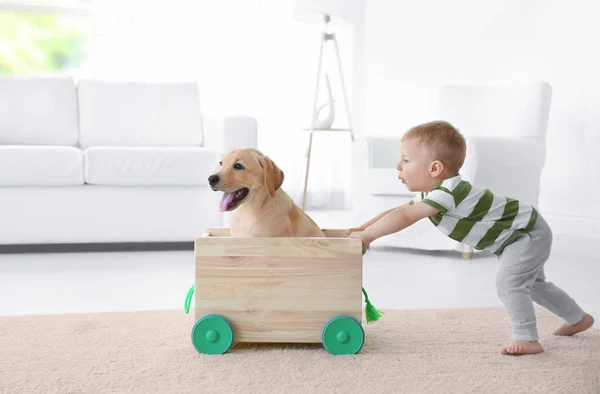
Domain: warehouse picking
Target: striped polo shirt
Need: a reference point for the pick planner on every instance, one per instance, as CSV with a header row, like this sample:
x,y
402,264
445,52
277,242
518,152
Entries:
x,y
475,216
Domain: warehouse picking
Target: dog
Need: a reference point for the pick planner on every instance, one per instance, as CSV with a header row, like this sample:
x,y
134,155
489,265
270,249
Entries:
x,y
251,185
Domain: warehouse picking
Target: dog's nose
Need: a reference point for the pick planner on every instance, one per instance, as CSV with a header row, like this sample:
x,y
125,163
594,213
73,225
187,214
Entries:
x,y
213,180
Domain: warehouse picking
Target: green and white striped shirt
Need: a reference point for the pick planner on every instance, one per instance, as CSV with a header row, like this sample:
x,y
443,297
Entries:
x,y
475,216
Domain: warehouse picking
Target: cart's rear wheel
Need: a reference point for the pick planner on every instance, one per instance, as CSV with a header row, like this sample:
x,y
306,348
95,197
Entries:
x,y
343,335
212,334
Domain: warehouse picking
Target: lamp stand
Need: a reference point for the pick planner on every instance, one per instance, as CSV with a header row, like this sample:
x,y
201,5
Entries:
x,y
325,37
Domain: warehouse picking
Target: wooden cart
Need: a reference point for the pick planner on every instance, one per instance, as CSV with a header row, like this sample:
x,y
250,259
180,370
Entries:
x,y
287,290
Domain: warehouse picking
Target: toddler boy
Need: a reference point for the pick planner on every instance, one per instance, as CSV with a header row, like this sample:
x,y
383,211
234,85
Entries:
x,y
431,157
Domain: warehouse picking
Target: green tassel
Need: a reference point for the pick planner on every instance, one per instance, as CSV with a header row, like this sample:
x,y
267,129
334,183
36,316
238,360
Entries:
x,y
371,312
188,300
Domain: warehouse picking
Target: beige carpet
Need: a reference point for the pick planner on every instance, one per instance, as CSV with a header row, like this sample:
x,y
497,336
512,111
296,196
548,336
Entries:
x,y
435,351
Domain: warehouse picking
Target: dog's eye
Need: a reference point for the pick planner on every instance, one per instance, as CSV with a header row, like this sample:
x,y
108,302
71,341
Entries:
x,y
238,166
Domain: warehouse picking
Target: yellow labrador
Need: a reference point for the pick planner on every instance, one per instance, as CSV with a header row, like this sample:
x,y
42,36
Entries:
x,y
251,186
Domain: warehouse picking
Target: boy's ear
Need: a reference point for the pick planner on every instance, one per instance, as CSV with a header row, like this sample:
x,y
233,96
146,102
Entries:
x,y
436,168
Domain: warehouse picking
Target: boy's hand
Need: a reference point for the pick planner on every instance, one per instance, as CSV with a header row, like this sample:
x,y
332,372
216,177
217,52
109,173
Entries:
x,y
365,242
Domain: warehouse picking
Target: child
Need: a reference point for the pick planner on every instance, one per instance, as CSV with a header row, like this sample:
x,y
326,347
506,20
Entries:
x,y
431,157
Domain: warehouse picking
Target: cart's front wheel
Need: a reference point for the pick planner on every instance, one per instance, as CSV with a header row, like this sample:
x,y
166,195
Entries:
x,y
343,335
212,334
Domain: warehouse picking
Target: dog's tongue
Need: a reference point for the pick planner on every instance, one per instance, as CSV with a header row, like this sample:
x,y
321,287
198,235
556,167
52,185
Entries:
x,y
225,201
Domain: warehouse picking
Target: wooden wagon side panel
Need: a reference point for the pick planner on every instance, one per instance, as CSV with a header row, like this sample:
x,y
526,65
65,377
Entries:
x,y
278,289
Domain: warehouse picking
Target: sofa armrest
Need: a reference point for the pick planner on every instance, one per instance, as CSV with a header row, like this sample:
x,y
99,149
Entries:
x,y
511,166
225,134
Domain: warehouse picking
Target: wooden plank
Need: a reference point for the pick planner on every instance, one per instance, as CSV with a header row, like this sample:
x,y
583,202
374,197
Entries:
x,y
226,232
282,246
229,246
279,326
218,232
278,298
334,233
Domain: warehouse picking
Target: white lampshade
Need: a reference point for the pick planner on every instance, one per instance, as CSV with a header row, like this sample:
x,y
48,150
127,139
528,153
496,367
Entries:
x,y
340,11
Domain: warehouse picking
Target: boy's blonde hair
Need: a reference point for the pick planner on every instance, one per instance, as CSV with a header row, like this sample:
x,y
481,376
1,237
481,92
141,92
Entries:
x,y
444,141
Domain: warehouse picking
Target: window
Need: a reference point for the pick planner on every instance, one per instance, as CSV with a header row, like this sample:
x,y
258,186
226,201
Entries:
x,y
44,37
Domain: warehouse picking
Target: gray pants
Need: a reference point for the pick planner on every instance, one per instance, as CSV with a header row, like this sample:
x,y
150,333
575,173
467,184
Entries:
x,y
521,280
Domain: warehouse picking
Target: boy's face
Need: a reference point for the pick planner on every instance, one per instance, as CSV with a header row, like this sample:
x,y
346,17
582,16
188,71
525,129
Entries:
x,y
414,167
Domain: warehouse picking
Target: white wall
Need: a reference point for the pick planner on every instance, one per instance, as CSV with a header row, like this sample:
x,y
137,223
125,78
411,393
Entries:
x,y
413,47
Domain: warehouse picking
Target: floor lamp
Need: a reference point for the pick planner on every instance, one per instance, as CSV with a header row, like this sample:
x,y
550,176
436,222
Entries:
x,y
322,11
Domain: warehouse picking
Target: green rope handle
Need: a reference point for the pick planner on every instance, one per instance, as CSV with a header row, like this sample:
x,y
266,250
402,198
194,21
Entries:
x,y
370,311
188,300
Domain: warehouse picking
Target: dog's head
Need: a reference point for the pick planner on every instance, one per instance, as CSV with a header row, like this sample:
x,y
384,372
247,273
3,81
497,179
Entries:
x,y
243,174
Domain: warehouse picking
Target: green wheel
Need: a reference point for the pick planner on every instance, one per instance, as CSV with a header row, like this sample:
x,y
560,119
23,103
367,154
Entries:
x,y
212,334
343,335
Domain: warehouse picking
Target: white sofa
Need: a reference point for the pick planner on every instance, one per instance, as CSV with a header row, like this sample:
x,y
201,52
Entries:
x,y
505,127
106,162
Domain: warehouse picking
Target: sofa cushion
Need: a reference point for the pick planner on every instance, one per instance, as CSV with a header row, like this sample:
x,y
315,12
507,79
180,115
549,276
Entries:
x,y
384,181
40,166
139,114
149,166
38,111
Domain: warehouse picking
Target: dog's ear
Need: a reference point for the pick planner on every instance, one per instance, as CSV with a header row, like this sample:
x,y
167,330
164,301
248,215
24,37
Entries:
x,y
273,175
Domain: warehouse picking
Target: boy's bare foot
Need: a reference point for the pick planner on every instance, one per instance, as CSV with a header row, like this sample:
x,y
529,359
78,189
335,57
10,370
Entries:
x,y
522,347
583,325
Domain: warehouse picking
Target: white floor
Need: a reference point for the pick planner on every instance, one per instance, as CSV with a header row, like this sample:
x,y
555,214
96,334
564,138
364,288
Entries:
x,y
394,278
